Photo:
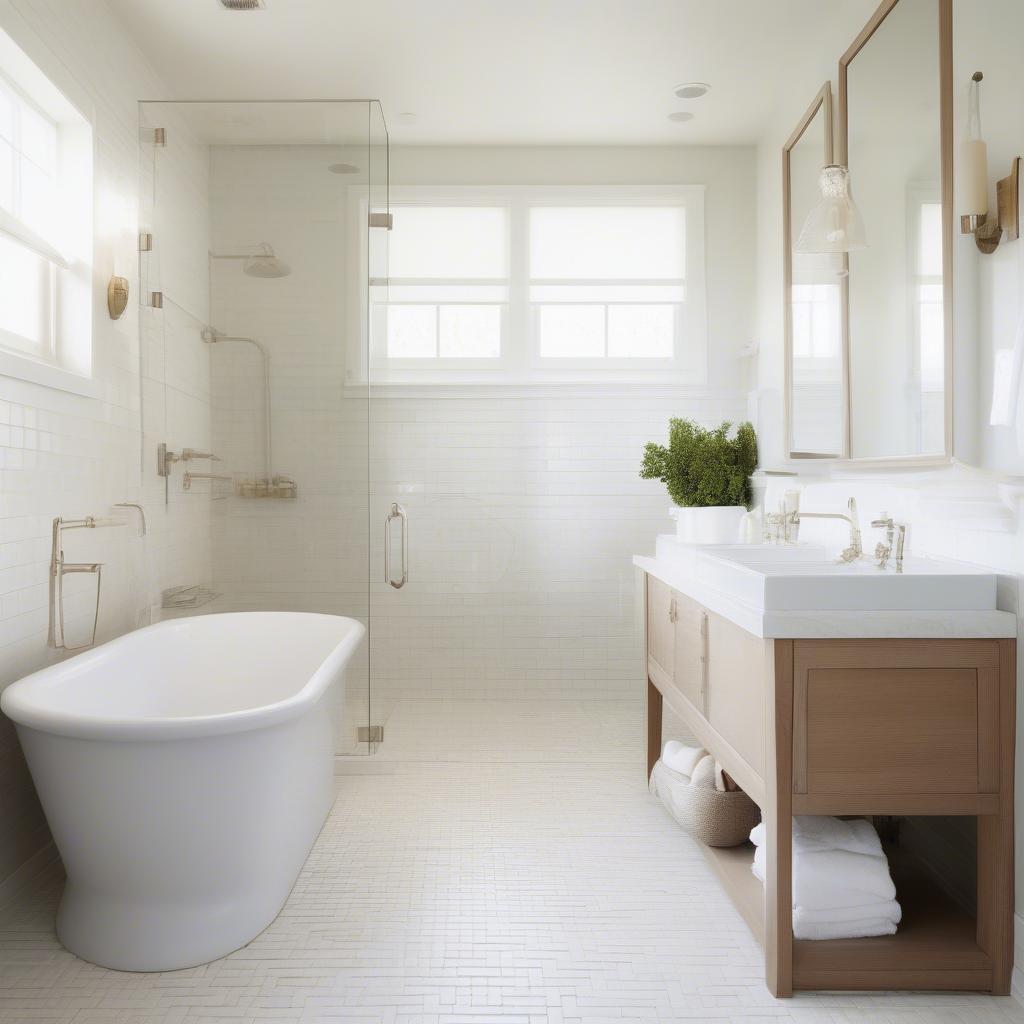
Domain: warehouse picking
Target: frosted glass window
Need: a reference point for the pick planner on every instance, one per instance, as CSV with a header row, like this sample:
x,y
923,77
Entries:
x,y
641,332
470,332
572,332
624,243
412,332
25,313
449,242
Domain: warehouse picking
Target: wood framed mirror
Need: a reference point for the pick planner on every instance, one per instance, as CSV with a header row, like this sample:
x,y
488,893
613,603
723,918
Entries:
x,y
813,299
895,134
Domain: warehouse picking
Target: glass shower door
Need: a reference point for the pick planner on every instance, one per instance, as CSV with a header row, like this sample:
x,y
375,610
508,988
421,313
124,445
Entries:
x,y
255,359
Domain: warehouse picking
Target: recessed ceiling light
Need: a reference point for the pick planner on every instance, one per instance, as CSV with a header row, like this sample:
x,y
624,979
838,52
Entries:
x,y
679,116
406,118
343,168
691,90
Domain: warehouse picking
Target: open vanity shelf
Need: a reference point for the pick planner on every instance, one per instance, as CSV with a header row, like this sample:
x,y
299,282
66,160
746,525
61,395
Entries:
x,y
901,725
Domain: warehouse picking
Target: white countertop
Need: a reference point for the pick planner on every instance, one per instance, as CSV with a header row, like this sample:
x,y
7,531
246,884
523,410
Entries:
x,y
820,625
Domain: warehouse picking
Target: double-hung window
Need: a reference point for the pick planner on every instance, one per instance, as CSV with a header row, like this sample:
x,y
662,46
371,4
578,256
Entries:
x,y
448,287
529,283
46,228
28,178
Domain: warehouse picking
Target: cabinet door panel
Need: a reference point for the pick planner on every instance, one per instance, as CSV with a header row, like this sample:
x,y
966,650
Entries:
x,y
738,667
690,666
661,641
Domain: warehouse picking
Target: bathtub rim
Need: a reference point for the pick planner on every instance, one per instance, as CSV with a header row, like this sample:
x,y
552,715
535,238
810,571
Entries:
x,y
17,704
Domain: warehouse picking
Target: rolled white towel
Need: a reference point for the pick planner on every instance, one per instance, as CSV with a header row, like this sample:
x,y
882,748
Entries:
x,y
681,758
835,879
815,833
704,774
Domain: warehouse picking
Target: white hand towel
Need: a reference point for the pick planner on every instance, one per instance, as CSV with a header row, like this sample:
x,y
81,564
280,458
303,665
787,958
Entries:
x,y
681,758
813,833
835,879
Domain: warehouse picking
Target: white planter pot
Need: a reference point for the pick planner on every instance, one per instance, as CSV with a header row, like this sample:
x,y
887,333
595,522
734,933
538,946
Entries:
x,y
719,524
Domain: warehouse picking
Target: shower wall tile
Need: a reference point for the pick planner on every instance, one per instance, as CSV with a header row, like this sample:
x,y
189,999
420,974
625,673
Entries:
x,y
525,505
62,454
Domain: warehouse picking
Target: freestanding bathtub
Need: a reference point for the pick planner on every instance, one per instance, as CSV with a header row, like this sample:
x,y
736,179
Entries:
x,y
185,770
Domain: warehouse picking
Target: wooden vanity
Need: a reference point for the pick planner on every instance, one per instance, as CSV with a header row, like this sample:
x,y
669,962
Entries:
x,y
893,725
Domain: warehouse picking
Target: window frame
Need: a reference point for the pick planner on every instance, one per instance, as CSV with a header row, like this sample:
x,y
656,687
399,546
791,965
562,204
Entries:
x,y
520,358
44,84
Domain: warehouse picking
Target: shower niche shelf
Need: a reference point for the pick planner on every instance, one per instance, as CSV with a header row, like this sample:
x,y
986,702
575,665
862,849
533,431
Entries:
x,y
278,488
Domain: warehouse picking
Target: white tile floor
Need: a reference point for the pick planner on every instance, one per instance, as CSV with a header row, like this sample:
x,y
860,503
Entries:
x,y
500,891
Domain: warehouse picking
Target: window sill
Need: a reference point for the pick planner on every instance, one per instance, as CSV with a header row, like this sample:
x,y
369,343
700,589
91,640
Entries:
x,y
32,371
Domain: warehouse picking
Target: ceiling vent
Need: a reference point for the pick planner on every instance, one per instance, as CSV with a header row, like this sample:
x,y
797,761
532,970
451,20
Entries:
x,y
243,5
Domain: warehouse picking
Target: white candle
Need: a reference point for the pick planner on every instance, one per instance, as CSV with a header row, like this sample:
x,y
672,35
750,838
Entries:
x,y
972,178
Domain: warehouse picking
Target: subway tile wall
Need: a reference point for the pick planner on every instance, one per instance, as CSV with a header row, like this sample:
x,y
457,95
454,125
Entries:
x,y
62,454
524,502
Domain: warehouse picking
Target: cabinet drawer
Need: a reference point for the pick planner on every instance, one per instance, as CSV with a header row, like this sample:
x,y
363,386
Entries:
x,y
895,717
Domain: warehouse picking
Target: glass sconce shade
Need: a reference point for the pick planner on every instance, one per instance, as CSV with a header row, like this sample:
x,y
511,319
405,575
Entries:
x,y
835,223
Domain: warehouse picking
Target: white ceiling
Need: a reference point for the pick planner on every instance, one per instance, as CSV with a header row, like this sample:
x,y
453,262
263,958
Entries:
x,y
502,71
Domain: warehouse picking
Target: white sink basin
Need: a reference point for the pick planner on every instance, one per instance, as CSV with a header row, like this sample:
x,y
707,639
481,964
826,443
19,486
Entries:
x,y
807,577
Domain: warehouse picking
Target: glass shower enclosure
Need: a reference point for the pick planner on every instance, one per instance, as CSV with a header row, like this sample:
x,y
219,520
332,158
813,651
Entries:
x,y
263,229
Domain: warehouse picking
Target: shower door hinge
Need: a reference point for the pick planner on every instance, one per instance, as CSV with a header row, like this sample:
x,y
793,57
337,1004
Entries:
x,y
145,241
382,220
159,136
371,733
156,300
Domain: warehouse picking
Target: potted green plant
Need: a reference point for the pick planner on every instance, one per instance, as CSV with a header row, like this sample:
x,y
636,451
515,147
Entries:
x,y
707,473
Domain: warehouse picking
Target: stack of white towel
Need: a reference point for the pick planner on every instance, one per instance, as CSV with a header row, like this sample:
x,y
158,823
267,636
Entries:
x,y
842,888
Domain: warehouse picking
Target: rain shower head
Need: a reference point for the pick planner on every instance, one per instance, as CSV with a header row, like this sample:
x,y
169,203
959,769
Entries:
x,y
263,263
266,266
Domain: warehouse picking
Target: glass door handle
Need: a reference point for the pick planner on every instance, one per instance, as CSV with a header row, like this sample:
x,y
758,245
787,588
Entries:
x,y
397,512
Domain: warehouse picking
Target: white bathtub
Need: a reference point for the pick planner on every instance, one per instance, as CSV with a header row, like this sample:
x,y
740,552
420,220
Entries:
x,y
185,770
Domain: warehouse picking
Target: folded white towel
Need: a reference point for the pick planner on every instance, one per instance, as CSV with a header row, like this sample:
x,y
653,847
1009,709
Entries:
x,y
889,911
814,833
835,879
681,758
844,929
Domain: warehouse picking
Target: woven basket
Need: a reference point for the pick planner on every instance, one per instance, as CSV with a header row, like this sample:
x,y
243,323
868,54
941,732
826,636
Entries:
x,y
713,817
718,819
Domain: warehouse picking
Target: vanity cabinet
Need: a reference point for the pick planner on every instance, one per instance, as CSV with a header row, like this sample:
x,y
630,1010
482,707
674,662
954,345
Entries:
x,y
851,726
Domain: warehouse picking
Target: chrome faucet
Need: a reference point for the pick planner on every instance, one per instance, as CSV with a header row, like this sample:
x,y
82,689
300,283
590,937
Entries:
x,y
854,551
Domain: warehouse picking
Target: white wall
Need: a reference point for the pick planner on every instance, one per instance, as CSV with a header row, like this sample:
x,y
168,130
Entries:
x,y
524,501
67,455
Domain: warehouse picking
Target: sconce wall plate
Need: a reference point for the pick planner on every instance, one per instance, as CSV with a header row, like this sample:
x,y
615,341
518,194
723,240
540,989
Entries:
x,y
117,296
989,233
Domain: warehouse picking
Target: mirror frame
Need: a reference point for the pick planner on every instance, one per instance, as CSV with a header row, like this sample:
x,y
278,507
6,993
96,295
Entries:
x,y
945,65
821,102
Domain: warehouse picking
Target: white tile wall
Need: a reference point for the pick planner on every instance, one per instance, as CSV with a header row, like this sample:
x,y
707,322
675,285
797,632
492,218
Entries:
x,y
63,454
525,505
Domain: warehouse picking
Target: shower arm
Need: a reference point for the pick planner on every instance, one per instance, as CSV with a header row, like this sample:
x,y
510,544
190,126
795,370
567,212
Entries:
x,y
213,337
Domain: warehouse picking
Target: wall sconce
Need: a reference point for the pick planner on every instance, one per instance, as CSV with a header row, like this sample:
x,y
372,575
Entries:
x,y
117,296
972,181
834,224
